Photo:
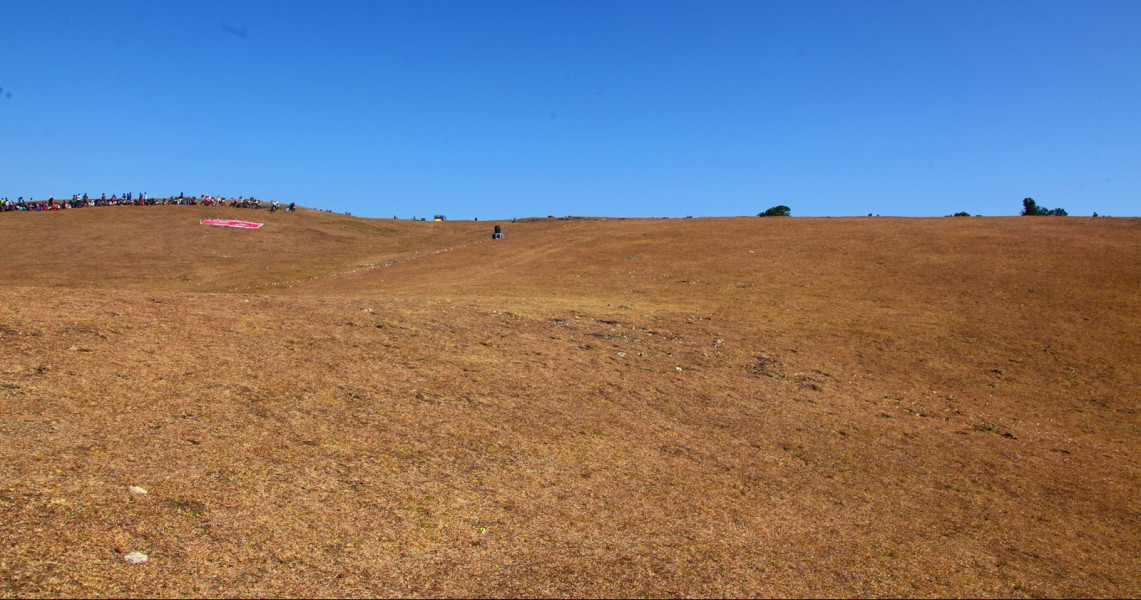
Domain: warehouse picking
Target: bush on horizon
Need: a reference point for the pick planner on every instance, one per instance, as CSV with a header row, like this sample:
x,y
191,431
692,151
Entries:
x,y
776,211
1031,209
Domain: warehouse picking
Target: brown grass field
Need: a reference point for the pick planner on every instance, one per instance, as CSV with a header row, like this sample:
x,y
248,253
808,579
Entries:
x,y
336,406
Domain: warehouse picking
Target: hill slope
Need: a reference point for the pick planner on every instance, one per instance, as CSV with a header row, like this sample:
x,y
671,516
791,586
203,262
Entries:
x,y
715,407
166,247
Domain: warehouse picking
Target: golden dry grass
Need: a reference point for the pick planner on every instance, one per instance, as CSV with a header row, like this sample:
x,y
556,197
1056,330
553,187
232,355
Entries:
x,y
705,407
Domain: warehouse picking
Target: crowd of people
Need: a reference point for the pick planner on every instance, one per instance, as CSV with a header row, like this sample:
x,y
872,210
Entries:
x,y
131,199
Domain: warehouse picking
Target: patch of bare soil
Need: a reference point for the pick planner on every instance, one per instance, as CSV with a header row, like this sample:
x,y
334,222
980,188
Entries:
x,y
699,407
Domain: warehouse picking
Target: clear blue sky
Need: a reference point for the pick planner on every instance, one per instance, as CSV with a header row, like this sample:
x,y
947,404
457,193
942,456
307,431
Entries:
x,y
482,109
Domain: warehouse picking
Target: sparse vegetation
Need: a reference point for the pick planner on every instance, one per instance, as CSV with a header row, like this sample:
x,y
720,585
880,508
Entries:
x,y
590,407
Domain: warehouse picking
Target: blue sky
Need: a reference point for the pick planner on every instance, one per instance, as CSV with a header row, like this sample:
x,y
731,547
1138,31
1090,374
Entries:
x,y
491,110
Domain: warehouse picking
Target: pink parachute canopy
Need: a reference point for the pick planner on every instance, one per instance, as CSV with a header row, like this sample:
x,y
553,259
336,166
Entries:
x,y
225,223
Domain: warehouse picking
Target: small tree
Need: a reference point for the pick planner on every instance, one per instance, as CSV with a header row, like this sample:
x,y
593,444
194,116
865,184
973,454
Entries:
x,y
1031,209
777,211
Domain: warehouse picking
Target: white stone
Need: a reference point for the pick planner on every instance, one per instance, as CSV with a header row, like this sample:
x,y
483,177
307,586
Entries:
x,y
135,558
136,490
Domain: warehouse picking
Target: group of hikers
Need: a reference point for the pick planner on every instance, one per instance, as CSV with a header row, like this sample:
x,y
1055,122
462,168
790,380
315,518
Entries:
x,y
83,200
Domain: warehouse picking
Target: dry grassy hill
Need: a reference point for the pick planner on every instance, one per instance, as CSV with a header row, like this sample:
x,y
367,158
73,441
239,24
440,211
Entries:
x,y
700,407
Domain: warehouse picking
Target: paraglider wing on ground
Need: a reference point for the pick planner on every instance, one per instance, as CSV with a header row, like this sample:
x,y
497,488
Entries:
x,y
226,223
